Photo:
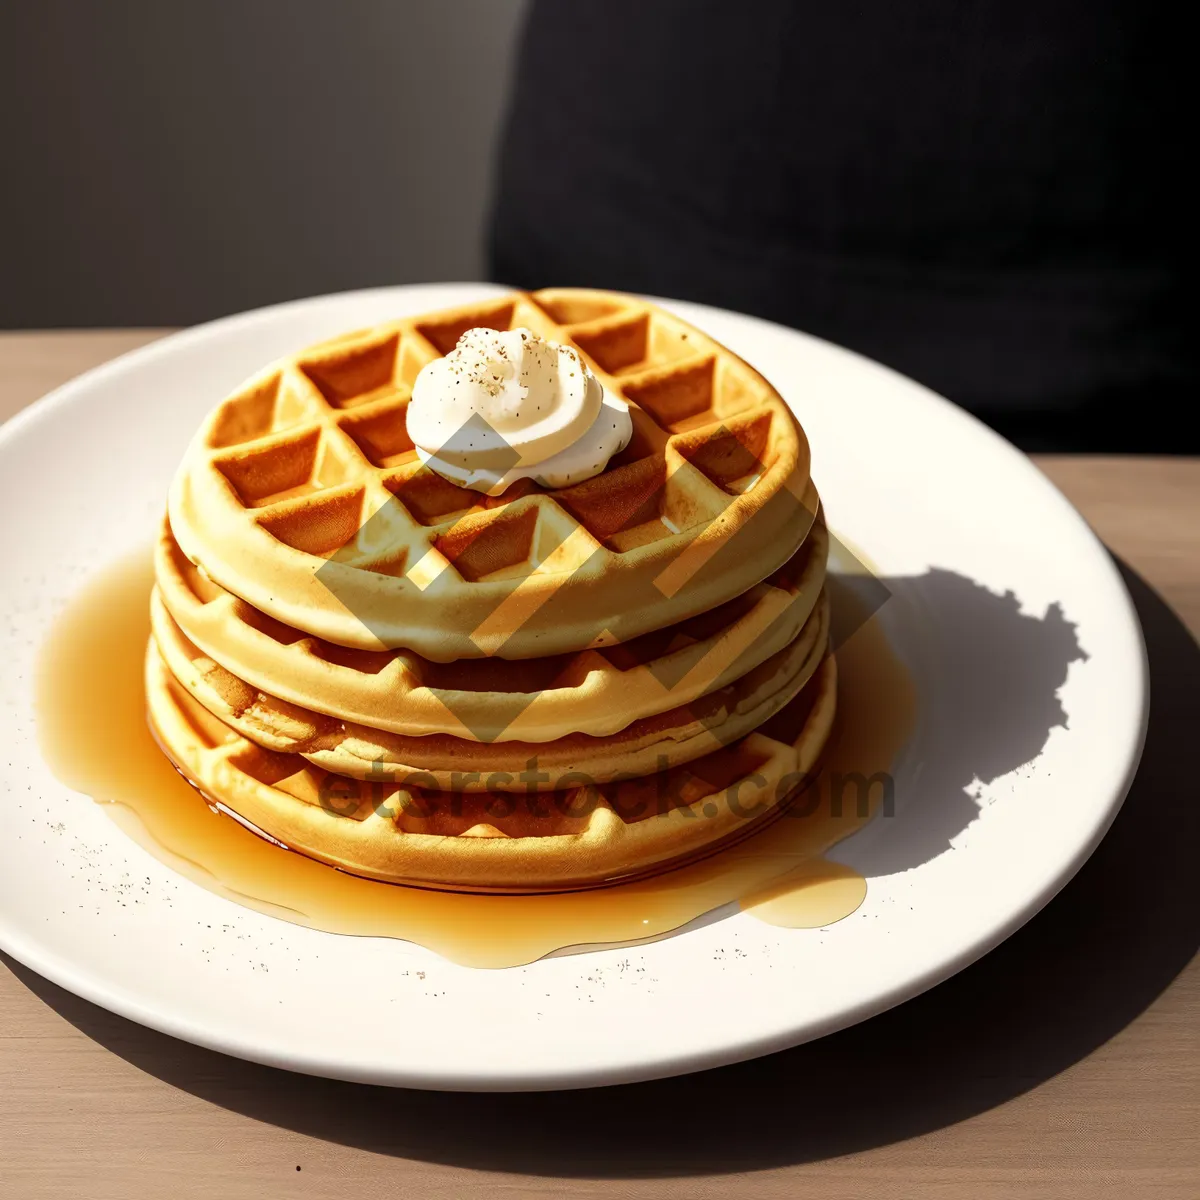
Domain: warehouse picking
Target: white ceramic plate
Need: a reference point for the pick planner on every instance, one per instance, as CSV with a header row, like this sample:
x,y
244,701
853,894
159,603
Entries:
x,y
1020,635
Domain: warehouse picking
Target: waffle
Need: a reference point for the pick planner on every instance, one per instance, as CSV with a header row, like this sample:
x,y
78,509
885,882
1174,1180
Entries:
x,y
488,841
644,746
595,692
549,689
302,493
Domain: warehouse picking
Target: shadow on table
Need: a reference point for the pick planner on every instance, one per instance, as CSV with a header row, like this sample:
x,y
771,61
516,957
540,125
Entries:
x,y
1077,974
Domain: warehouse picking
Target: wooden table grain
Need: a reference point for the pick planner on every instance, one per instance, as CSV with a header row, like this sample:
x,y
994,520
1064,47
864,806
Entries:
x,y
1065,1064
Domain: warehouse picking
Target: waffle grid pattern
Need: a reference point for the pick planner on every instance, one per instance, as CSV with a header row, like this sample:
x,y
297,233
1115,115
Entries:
x,y
311,463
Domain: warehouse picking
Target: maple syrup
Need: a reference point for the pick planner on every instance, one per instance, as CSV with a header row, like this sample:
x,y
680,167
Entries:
x,y
94,736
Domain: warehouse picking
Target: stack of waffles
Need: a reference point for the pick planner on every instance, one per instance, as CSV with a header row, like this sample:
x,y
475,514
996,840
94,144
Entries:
x,y
543,690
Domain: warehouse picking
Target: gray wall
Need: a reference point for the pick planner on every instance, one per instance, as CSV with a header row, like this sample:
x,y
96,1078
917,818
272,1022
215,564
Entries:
x,y
165,162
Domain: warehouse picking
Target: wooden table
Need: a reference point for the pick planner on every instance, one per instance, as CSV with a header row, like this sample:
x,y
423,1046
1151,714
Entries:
x,y
1065,1064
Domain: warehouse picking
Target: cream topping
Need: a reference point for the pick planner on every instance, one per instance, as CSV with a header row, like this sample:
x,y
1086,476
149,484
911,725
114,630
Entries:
x,y
506,405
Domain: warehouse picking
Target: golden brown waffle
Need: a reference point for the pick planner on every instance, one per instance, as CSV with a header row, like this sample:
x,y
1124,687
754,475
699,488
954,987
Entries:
x,y
644,746
302,493
495,841
595,692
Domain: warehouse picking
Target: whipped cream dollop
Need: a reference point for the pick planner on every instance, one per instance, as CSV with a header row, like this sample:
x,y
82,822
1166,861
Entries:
x,y
508,405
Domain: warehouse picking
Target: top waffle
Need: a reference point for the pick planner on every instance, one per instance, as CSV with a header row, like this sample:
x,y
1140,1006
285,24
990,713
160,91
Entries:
x,y
303,495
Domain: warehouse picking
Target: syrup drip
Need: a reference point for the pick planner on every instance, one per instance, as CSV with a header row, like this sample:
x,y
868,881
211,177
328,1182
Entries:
x,y
92,728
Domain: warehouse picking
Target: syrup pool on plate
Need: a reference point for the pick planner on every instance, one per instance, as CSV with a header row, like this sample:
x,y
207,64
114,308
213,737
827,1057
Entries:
x,y
93,733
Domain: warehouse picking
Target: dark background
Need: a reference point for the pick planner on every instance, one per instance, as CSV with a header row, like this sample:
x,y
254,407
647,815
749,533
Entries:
x,y
990,198
986,196
169,162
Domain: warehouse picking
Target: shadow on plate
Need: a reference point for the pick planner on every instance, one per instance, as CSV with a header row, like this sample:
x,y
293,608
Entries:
x,y
1068,981
988,676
